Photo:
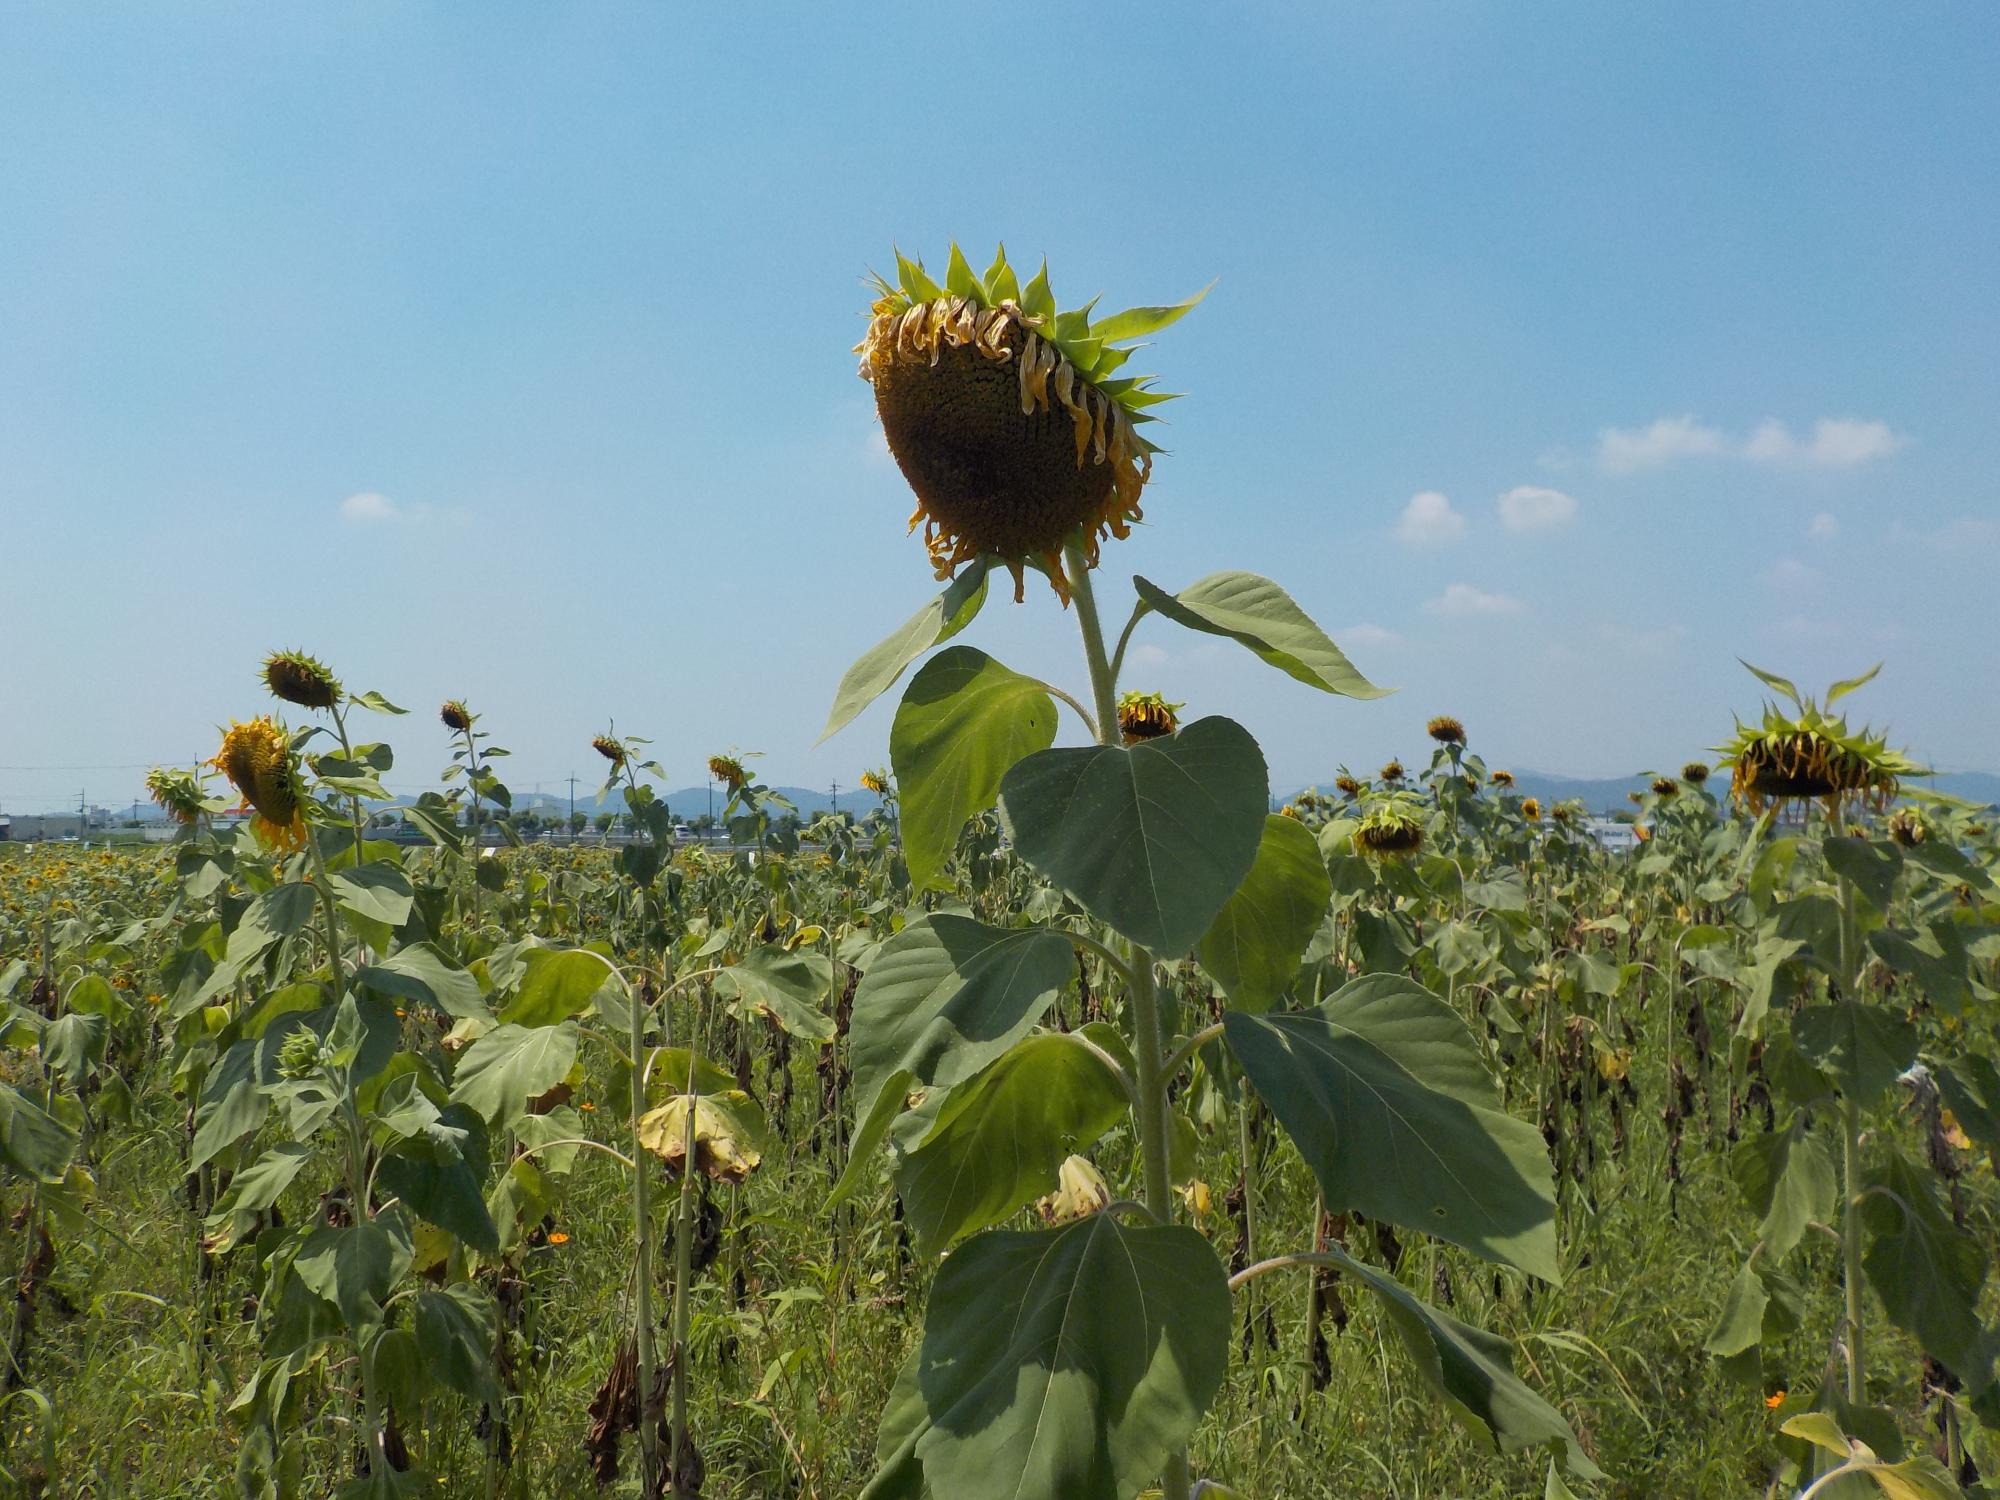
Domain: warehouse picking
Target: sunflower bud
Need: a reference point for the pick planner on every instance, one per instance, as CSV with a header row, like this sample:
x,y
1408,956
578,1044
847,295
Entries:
x,y
455,716
298,678
1147,716
299,1055
1446,730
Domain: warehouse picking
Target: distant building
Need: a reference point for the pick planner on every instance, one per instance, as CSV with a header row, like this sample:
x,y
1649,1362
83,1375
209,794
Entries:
x,y
1613,835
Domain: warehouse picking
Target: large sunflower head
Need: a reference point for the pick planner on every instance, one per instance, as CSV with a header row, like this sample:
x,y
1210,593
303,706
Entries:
x,y
1147,716
1391,828
301,679
178,793
1007,415
1446,730
1811,755
258,760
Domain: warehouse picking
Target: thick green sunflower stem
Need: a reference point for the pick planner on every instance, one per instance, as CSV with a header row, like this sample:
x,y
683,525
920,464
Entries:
x,y
1148,1045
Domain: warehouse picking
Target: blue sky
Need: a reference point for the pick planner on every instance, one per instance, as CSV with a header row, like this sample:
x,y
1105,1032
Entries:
x,y
1559,356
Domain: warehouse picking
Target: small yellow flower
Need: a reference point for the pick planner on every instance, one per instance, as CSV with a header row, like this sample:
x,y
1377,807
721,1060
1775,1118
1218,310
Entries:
x,y
557,1237
1775,1400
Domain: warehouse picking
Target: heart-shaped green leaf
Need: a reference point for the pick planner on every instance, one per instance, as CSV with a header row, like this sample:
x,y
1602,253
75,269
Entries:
x,y
1154,839
879,667
1061,1362
1384,1092
963,721
1254,945
1262,616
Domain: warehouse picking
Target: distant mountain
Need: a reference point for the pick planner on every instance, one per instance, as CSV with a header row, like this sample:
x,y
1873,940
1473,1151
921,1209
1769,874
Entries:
x,y
1608,794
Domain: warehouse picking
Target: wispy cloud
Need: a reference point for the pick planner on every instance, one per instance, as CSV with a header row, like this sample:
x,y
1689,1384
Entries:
x,y
1428,520
368,508
1824,528
1836,443
1833,443
1622,450
1789,575
1534,507
1366,636
1461,599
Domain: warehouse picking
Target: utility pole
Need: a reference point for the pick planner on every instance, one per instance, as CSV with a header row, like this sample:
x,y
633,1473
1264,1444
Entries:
x,y
835,791
570,827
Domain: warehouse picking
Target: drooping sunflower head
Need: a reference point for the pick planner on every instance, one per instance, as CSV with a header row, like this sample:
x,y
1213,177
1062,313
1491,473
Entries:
x,y
1446,730
1562,812
1008,416
728,770
260,764
1346,785
1502,779
1147,716
1390,828
1309,800
1392,772
455,716
301,679
1531,809
1666,786
610,749
178,793
1293,811
1811,755
1695,772
1907,828
1642,833
876,781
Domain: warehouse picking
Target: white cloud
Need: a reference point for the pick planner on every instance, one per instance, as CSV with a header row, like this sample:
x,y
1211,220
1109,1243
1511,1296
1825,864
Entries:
x,y
1790,575
1146,654
1366,635
1464,599
1620,451
1429,519
369,507
1824,528
1836,443
1533,507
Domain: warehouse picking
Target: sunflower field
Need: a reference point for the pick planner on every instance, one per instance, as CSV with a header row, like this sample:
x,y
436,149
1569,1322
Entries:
x,y
1096,1120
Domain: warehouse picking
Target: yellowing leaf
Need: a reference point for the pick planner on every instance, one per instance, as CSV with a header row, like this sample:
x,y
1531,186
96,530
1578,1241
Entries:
x,y
722,1150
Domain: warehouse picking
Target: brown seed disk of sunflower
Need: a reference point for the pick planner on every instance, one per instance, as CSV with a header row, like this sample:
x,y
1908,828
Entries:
x,y
1695,772
1009,450
297,678
1803,767
455,715
1446,730
609,748
1395,840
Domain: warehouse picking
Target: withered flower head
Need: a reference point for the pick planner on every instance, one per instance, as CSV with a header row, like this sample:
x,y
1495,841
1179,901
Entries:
x,y
258,760
876,781
1666,786
1810,755
1147,716
455,715
1346,785
609,748
1502,778
1907,828
177,792
728,770
1446,730
1006,415
1390,829
1695,772
1392,772
298,678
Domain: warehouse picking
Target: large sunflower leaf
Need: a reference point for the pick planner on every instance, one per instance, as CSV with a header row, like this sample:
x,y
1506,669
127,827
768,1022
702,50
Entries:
x,y
1063,1362
1384,1092
947,995
791,988
1473,1370
509,1065
1257,613
964,720
937,622
1153,839
999,1140
1254,945
1927,1271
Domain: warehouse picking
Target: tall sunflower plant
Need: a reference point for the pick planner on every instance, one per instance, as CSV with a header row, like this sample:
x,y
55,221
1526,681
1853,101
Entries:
x,y
1866,995
1024,442
330,1041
